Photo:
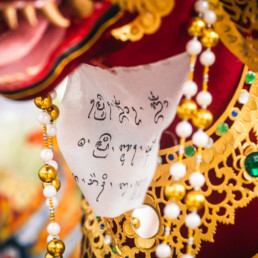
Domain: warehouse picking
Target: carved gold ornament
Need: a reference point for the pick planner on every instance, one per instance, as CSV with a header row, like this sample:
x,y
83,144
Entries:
x,y
228,187
237,25
148,20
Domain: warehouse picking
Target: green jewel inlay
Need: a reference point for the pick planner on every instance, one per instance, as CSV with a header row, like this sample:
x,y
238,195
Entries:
x,y
251,164
222,128
250,77
189,151
114,249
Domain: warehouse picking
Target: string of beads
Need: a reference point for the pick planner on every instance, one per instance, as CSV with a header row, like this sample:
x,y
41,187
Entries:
x,y
48,173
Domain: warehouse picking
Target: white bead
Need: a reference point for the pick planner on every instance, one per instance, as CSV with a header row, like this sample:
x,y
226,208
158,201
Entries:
x,y
193,47
54,201
44,118
189,88
50,238
192,220
204,98
198,159
178,170
53,229
207,58
53,94
51,130
184,129
172,211
201,6
200,138
244,97
49,191
187,256
46,155
209,17
53,163
197,179
108,239
163,251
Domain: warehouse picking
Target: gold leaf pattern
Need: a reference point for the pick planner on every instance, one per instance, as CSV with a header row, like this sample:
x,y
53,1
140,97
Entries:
x,y
228,187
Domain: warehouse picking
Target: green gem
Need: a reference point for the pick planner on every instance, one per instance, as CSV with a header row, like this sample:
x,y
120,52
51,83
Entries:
x,y
222,128
189,151
251,164
97,217
114,249
250,77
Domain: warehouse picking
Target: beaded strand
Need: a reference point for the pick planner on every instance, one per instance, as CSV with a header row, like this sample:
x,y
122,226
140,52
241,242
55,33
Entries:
x,y
48,172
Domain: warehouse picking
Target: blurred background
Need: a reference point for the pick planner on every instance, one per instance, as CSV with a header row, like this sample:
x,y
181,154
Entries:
x,y
23,213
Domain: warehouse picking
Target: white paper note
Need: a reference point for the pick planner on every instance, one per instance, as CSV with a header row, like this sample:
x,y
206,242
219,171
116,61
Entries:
x,y
110,125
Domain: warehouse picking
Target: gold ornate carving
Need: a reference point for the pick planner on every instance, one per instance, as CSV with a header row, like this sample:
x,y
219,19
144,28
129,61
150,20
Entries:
x,y
228,187
148,20
237,25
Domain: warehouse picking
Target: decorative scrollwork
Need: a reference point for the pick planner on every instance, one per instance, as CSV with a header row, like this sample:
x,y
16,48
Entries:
x,y
148,20
237,25
228,187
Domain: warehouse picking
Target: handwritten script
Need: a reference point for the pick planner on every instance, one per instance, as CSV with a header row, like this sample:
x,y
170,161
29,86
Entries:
x,y
110,126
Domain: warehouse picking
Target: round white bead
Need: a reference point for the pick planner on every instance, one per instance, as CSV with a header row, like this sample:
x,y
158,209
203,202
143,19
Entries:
x,y
50,238
200,138
53,94
209,17
53,229
108,239
193,47
172,211
184,129
51,130
243,97
201,6
49,191
192,220
53,163
187,256
197,179
163,251
204,98
178,170
54,201
207,58
46,155
44,118
189,88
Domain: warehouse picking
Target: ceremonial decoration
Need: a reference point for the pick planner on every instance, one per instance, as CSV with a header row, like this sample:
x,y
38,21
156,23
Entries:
x,y
48,173
141,200
235,186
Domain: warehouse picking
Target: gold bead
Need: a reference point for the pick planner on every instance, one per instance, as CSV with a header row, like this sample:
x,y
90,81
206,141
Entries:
x,y
48,255
194,200
196,27
210,38
47,173
43,103
203,118
175,192
53,111
56,183
136,222
186,109
56,247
